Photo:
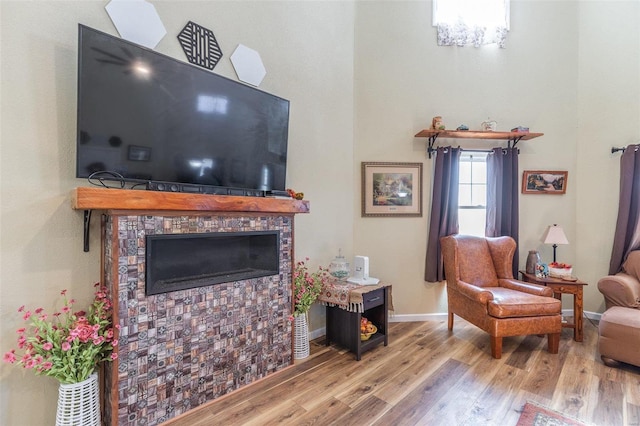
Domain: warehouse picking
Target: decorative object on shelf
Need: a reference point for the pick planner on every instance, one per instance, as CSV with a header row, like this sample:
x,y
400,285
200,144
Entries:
x,y
489,125
361,272
295,195
542,270
248,65
306,288
462,127
200,45
79,403
544,182
339,267
560,270
532,260
520,129
136,21
367,329
437,124
68,346
391,189
554,235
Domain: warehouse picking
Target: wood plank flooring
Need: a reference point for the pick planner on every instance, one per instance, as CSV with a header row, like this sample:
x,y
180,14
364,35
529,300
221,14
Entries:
x,y
429,376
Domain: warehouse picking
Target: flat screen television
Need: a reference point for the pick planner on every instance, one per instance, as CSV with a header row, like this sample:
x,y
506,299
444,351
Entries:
x,y
153,119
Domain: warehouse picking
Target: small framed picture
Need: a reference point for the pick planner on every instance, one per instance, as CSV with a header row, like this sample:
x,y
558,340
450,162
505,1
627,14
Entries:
x,y
544,182
391,189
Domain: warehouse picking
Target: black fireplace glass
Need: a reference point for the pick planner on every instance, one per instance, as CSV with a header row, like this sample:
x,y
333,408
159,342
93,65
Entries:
x,y
183,261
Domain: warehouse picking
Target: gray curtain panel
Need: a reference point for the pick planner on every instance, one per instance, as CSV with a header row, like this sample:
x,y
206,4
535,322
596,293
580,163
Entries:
x,y
627,236
444,209
502,197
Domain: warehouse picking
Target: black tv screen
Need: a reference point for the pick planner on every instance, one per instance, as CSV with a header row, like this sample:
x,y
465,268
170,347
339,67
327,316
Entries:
x,y
152,118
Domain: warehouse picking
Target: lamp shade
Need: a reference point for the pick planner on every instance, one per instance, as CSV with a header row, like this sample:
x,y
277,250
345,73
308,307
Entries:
x,y
554,235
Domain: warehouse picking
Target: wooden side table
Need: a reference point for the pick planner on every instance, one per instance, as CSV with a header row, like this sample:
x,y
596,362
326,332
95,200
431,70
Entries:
x,y
559,288
343,325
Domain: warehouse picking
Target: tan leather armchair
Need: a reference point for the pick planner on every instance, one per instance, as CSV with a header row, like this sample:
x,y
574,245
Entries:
x,y
481,289
619,327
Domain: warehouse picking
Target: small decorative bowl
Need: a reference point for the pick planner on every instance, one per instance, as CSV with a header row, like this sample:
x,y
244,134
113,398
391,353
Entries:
x,y
366,336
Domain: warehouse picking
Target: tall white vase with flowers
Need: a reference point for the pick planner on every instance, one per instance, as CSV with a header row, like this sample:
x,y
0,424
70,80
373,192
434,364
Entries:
x,y
306,289
68,346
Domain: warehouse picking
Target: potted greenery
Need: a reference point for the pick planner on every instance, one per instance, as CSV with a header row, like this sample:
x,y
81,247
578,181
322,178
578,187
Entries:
x,y
69,346
306,289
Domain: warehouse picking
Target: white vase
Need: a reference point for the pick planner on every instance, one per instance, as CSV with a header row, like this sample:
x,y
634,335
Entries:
x,y
301,337
79,403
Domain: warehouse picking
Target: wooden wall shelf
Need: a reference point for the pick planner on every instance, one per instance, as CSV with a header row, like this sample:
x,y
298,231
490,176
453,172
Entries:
x,y
88,199
512,137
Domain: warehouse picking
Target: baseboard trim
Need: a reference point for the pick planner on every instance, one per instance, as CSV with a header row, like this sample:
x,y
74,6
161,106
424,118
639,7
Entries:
x,y
443,317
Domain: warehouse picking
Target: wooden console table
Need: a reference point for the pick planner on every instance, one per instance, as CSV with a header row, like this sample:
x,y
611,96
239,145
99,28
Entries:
x,y
559,288
345,311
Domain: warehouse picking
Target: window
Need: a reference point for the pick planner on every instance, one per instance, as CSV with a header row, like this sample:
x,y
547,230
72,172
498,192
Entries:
x,y
472,197
474,22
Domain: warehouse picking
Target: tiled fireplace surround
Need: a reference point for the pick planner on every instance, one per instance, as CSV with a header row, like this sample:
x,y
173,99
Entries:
x,y
182,349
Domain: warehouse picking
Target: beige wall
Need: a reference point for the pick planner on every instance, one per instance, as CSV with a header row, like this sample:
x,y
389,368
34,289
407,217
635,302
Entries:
x,y
363,78
570,70
307,49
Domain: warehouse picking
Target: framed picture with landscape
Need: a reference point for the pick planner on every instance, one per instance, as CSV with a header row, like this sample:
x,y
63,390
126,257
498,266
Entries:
x,y
391,189
544,182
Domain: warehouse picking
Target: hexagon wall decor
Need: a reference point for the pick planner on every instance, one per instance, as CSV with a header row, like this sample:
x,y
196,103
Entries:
x,y
200,45
137,21
248,65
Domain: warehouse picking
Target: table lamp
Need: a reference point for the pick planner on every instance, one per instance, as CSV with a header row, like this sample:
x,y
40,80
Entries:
x,y
554,235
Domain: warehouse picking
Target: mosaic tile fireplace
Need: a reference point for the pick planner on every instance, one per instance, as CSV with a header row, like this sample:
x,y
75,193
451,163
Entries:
x,y
181,349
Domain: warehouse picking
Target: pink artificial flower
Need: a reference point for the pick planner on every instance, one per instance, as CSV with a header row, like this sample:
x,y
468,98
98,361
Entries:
x,y
66,346
291,318
63,292
39,310
97,341
114,343
65,309
80,315
30,363
114,355
21,330
47,365
21,342
83,332
47,346
21,308
72,301
10,356
26,315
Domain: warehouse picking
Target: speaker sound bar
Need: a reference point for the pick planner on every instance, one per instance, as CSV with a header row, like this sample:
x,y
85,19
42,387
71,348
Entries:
x,y
203,189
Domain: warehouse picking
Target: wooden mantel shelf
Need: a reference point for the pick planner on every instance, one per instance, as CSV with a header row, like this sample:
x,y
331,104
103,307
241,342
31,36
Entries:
x,y
89,199
86,198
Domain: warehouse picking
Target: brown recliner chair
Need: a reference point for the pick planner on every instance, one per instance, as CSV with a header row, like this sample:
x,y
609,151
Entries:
x,y
619,328
481,289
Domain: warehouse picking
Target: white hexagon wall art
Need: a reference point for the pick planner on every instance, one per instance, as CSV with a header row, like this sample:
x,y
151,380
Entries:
x,y
137,21
248,65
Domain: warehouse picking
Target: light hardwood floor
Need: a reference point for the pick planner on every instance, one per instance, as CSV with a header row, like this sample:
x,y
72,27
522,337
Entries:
x,y
429,376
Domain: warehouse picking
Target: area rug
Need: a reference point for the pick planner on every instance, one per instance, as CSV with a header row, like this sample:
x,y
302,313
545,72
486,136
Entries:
x,y
535,415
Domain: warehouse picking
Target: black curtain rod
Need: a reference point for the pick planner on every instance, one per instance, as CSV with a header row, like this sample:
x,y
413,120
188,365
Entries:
x,y
623,149
488,151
